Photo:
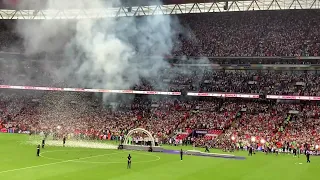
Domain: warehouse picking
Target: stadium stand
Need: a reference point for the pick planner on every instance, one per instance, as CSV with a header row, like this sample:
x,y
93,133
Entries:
x,y
221,121
251,34
171,119
235,34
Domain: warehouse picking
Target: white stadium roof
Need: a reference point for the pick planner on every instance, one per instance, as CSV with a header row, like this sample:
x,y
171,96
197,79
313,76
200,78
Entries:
x,y
163,9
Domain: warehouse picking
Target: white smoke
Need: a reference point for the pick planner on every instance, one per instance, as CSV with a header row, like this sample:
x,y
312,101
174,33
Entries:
x,y
110,53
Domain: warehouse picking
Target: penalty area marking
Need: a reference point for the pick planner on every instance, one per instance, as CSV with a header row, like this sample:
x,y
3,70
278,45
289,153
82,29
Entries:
x,y
110,162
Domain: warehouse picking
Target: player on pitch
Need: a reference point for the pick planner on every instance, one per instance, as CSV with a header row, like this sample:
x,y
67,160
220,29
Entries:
x,y
129,162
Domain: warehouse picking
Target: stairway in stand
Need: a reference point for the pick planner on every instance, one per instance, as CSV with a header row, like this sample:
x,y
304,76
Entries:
x,y
228,129
181,121
282,128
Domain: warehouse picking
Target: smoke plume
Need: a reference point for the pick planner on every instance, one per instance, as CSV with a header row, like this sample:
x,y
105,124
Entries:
x,y
110,53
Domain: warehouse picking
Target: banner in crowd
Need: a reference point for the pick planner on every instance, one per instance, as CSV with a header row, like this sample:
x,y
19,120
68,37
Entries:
x,y
226,95
90,90
315,153
201,131
215,94
198,132
304,98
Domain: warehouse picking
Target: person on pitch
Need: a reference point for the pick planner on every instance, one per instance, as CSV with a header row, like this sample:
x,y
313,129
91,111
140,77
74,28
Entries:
x,y
38,150
64,141
207,149
181,154
308,156
250,150
129,162
294,152
43,143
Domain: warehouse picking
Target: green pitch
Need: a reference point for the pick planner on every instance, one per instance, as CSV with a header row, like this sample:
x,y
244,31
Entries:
x,y
18,161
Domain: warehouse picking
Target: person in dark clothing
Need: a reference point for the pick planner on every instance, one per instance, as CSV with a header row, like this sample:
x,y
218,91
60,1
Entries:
x,y
250,151
181,154
64,141
43,143
295,152
305,148
129,162
308,156
150,148
207,149
38,150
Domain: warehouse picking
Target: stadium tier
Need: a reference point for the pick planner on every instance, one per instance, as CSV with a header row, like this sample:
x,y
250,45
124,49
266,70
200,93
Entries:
x,y
292,33
228,81
209,121
141,89
238,37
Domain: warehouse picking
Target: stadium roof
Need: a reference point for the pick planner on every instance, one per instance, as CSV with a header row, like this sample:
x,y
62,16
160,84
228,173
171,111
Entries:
x,y
36,10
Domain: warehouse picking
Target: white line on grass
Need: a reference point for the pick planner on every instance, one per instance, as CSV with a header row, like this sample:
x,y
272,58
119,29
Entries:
x,y
48,164
74,160
108,162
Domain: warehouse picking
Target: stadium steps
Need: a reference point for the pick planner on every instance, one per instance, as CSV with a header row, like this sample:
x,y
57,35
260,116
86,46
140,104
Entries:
x,y
227,130
282,129
183,120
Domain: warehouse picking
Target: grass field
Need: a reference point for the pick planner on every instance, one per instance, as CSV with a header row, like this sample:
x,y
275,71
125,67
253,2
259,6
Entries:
x,y
18,161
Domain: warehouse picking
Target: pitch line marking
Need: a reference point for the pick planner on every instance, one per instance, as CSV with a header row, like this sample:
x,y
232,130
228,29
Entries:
x,y
73,160
112,162
48,164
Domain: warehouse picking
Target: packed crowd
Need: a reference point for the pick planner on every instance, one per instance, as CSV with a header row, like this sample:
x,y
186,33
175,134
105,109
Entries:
x,y
275,125
230,121
74,113
192,79
263,82
236,81
292,33
256,33
266,125
304,128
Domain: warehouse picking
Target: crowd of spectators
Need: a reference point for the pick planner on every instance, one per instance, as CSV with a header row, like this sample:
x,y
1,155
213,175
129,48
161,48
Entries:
x,y
255,33
263,82
265,125
191,79
239,81
305,127
76,113
275,125
242,81
258,33
237,121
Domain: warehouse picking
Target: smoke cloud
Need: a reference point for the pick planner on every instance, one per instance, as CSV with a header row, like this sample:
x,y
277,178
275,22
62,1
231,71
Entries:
x,y
110,53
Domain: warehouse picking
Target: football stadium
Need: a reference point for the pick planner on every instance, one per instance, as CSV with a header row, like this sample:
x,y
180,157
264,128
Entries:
x,y
159,89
